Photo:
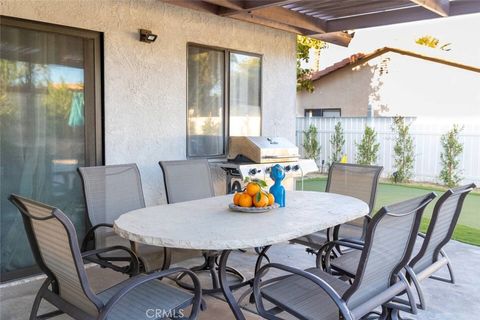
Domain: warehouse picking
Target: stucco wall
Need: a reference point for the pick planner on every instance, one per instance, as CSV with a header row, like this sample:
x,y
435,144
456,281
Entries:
x,y
145,84
345,89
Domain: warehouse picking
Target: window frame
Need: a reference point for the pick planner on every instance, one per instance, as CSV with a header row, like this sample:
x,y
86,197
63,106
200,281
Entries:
x,y
322,110
93,97
226,88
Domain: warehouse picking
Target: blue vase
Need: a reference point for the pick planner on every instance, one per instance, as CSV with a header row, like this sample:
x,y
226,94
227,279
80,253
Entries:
x,y
277,173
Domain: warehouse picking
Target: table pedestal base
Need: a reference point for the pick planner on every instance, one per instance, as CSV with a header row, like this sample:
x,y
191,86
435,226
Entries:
x,y
210,267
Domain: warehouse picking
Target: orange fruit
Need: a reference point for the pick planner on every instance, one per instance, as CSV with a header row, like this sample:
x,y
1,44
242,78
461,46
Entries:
x,y
253,188
236,198
245,200
271,199
260,200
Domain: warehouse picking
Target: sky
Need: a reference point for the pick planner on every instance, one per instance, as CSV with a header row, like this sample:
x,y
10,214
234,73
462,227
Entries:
x,y
59,73
461,31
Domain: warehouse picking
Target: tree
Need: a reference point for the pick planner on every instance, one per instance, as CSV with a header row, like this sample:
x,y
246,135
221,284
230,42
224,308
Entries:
x,y
432,42
367,149
310,143
403,149
58,100
304,44
449,158
337,141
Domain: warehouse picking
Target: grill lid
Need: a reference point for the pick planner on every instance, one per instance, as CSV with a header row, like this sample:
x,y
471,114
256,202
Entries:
x,y
263,149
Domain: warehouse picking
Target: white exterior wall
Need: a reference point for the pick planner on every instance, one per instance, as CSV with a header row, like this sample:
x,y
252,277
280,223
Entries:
x,y
411,87
145,84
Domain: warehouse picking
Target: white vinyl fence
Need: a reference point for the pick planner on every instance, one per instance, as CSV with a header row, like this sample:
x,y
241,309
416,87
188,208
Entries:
x,y
426,133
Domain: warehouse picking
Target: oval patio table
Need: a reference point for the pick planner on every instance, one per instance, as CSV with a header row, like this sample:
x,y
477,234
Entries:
x,y
208,224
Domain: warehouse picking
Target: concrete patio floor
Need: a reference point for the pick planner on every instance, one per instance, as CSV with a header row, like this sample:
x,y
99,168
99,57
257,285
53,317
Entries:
x,y
445,301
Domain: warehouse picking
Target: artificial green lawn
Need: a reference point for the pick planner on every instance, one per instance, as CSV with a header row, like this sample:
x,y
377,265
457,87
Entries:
x,y
468,227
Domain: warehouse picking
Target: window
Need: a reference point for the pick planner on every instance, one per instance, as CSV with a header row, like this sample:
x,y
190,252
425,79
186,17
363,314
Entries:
x,y
224,99
50,124
326,113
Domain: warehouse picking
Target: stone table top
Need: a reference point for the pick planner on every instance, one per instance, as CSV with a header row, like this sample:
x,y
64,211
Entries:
x,y
208,224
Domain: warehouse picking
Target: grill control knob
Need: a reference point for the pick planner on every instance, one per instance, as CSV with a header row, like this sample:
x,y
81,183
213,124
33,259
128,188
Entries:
x,y
295,167
254,171
288,168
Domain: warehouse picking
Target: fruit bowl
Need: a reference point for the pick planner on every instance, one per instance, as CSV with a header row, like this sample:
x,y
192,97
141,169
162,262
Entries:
x,y
234,207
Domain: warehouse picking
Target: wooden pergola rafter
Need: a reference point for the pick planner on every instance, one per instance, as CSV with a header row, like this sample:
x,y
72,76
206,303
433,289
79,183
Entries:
x,y
330,20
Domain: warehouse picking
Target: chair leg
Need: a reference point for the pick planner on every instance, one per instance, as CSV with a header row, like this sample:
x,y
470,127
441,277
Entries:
x,y
203,305
395,315
36,305
449,266
38,300
421,298
450,270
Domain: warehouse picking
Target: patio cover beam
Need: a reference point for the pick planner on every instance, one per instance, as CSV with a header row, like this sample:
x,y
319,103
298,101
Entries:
x,y
266,13
210,7
195,5
289,17
233,7
243,16
399,16
271,10
440,7
339,38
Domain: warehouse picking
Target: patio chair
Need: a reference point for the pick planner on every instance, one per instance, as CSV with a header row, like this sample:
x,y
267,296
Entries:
x,y
53,240
358,181
111,191
315,294
187,180
429,256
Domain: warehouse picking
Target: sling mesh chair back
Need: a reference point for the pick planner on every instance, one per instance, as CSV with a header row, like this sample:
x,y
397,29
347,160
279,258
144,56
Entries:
x,y
389,243
187,180
444,219
54,244
358,181
111,191
431,257
388,246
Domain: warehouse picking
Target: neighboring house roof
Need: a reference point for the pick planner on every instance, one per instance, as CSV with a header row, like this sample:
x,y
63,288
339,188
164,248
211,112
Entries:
x,y
359,58
69,86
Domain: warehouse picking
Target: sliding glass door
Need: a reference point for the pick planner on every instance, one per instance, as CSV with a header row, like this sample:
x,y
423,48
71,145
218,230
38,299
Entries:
x,y
50,124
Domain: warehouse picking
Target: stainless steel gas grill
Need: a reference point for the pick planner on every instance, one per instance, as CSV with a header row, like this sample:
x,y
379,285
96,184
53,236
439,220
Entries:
x,y
254,156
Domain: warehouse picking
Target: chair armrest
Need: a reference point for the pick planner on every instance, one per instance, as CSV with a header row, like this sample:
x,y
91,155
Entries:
x,y
336,298
136,281
336,231
134,263
350,243
324,253
90,233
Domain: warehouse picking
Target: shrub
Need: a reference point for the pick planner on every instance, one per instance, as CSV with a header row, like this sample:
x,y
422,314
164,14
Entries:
x,y
403,149
338,141
449,158
367,149
311,145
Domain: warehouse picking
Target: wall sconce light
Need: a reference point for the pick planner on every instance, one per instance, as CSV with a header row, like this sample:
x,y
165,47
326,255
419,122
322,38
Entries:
x,y
147,36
